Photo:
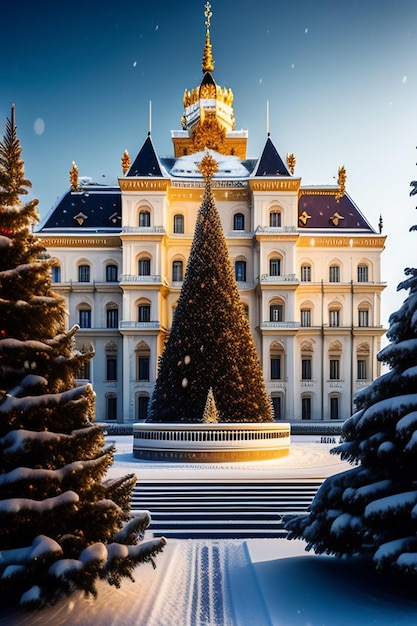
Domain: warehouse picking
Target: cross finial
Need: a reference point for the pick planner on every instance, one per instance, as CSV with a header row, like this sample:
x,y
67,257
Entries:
x,y
208,14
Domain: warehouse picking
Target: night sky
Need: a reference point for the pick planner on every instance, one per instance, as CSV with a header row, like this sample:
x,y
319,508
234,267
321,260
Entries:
x,y
340,78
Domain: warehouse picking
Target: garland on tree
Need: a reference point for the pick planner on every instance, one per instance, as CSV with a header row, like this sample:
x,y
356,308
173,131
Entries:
x,y
210,344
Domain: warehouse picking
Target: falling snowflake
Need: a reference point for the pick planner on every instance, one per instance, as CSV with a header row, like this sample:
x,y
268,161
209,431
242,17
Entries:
x,y
184,382
404,80
187,359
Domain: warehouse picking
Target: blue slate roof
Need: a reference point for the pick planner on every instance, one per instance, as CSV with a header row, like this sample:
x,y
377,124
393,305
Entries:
x,y
147,162
94,207
270,163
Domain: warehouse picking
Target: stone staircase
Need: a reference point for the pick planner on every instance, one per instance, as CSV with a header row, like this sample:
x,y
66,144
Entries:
x,y
222,510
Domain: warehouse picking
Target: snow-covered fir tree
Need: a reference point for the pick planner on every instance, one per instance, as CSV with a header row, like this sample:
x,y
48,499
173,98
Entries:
x,y
62,525
210,343
371,509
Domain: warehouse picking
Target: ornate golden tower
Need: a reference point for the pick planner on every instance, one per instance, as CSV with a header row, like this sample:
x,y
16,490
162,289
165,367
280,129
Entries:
x,y
208,120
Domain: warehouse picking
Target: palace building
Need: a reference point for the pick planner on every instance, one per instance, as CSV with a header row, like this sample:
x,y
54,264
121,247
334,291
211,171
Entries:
x,y
307,264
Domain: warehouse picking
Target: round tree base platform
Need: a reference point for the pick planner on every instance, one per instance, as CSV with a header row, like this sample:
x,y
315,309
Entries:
x,y
205,443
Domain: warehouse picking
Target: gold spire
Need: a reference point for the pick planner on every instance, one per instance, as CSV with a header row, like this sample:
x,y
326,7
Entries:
x,y
208,63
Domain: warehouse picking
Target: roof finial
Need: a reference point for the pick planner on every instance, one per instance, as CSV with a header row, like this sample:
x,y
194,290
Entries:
x,y
150,118
208,63
267,119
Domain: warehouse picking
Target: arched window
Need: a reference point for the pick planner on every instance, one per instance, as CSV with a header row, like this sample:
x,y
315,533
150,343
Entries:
x,y
276,361
83,273
334,407
275,313
84,316
56,273
178,224
143,401
142,361
144,218
111,273
306,407
144,313
240,271
238,221
363,273
177,271
111,406
334,274
306,273
112,317
275,219
275,267
362,362
144,267
363,316
305,314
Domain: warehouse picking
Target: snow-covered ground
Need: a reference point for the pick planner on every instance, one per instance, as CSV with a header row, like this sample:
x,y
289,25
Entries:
x,y
259,582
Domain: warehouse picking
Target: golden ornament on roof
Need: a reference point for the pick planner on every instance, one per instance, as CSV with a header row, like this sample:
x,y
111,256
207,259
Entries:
x,y
291,162
125,161
341,181
73,177
208,166
208,63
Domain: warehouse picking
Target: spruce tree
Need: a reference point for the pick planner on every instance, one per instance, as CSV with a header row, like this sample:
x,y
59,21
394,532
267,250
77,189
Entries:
x,y
371,509
62,526
210,344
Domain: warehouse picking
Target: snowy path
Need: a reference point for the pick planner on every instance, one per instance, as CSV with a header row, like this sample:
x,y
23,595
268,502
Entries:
x,y
196,583
215,573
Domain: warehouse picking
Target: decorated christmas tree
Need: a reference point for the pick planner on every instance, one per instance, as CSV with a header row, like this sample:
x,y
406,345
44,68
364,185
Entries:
x,y
61,525
210,345
371,509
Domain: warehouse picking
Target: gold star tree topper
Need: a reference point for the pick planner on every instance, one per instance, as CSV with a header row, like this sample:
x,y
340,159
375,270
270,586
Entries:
x,y
208,166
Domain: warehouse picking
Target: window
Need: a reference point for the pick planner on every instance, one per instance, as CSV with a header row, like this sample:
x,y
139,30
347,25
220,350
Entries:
x,y
144,219
275,313
83,371
334,317
361,373
305,317
306,408
85,318
306,273
334,408
144,267
238,221
111,273
334,369
306,369
177,275
275,368
111,368
179,224
276,405
275,267
144,313
143,368
112,318
275,219
362,273
56,273
111,402
143,402
363,317
240,271
334,274
83,273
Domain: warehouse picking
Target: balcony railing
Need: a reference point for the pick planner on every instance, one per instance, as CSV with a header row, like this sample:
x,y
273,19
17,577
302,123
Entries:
x,y
133,278
286,278
281,325
129,325
143,230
